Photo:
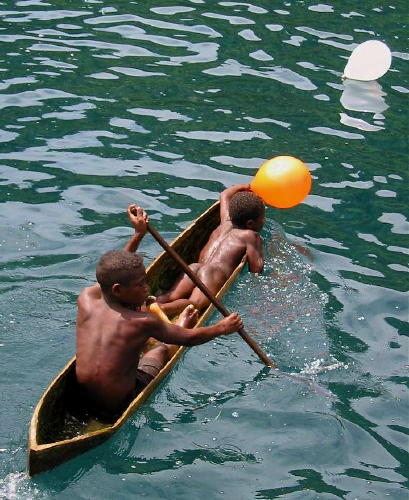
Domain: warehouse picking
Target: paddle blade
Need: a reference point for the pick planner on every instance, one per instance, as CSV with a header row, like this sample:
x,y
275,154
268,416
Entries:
x,y
369,61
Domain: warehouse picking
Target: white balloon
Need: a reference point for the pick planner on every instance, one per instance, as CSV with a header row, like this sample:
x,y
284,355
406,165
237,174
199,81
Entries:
x,y
369,61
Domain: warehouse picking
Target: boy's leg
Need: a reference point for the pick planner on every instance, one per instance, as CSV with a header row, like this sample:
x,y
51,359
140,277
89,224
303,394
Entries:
x,y
187,318
173,308
181,289
155,359
212,276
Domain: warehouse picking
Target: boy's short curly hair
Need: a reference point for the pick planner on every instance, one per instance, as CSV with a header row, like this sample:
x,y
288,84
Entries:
x,y
245,206
118,266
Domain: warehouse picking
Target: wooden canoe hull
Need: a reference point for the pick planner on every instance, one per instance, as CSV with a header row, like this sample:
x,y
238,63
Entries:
x,y
48,447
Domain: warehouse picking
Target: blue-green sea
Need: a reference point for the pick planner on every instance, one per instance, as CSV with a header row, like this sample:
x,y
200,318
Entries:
x,y
165,104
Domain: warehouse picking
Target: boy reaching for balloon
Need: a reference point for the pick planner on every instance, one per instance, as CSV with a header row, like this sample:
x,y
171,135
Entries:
x,y
241,220
282,182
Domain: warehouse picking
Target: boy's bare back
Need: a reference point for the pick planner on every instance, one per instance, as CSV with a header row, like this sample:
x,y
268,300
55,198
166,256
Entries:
x,y
109,341
227,245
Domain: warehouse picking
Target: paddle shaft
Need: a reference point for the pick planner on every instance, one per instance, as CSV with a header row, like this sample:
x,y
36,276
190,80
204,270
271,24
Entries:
x,y
203,288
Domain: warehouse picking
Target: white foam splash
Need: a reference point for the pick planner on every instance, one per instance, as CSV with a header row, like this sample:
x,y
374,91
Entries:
x,y
321,365
15,486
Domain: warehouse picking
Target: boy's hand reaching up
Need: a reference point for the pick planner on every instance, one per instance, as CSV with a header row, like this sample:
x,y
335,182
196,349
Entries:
x,y
138,218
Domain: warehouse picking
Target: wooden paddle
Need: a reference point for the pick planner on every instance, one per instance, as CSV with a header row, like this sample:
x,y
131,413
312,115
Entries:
x,y
216,302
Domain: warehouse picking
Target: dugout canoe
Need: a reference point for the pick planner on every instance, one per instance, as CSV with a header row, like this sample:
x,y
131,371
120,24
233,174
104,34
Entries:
x,y
60,429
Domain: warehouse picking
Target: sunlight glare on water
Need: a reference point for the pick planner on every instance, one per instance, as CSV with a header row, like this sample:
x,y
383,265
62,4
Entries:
x,y
287,318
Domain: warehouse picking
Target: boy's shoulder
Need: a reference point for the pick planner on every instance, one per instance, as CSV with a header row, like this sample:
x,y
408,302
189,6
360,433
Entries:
x,y
89,294
142,323
143,319
248,234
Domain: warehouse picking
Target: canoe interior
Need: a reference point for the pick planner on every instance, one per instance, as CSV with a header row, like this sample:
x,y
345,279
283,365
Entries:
x,y
62,414
62,420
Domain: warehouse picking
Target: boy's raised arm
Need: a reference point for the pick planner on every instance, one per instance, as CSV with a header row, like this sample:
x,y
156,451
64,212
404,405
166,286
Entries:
x,y
138,218
225,198
254,253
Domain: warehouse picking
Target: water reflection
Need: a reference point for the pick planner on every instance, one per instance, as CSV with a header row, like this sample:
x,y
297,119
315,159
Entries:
x,y
363,96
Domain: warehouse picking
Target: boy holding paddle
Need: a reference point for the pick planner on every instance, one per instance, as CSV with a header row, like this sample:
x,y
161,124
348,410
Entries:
x,y
113,326
241,220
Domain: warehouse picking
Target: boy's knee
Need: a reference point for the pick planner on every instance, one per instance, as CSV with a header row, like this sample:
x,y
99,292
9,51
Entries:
x,y
200,303
162,350
160,353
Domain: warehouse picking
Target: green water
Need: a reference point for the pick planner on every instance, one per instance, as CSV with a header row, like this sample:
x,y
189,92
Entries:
x,y
108,103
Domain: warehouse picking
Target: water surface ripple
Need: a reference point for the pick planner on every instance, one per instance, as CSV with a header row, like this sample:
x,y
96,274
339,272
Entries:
x,y
108,103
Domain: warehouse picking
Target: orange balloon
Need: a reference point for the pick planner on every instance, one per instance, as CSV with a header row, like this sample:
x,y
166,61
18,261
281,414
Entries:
x,y
282,182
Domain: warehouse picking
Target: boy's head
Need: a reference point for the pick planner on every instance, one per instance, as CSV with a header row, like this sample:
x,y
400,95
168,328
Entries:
x,y
122,276
246,211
